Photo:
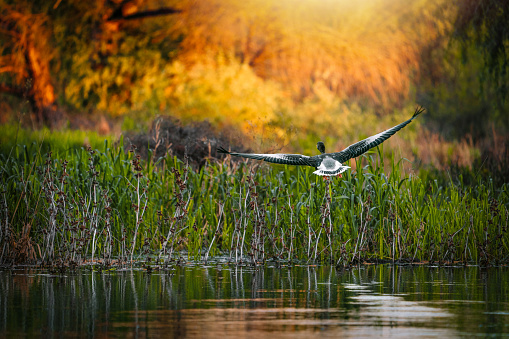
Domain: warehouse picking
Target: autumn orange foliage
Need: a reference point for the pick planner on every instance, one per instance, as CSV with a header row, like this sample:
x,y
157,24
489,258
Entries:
x,y
291,71
369,50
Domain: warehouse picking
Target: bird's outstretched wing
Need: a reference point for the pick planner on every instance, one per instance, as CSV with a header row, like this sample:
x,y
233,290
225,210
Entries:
x,y
362,146
288,159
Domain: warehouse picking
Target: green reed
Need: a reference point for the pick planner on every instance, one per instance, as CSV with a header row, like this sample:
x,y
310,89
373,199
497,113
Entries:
x,y
108,206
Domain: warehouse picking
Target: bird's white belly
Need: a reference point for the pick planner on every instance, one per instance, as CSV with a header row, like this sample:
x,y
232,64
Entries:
x,y
330,167
329,164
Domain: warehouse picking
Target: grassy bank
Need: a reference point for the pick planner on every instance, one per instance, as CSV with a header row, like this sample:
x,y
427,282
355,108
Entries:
x,y
107,205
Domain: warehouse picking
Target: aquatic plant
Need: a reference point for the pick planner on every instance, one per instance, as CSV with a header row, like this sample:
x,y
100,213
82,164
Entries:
x,y
110,207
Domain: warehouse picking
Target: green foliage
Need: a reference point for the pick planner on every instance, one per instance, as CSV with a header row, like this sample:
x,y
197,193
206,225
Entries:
x,y
225,92
483,23
133,79
463,103
14,137
73,205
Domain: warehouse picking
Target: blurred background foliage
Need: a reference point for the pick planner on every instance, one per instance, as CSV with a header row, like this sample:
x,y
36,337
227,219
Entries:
x,y
285,74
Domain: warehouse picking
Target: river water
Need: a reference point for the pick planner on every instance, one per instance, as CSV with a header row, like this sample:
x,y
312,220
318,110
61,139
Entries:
x,y
229,301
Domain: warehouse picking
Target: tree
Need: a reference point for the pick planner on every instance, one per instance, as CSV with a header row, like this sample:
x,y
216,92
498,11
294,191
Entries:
x,y
39,43
25,60
486,22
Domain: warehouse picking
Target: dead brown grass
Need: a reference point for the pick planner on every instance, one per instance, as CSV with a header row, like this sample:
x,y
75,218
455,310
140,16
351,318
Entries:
x,y
20,248
435,150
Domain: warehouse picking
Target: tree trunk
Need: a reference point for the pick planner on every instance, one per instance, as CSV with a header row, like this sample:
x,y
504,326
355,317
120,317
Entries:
x,y
41,93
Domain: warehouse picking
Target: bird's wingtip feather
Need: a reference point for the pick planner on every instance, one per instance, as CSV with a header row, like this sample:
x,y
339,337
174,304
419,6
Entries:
x,y
220,149
418,111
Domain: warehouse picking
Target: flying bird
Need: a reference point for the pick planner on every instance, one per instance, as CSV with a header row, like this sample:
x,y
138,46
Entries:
x,y
328,164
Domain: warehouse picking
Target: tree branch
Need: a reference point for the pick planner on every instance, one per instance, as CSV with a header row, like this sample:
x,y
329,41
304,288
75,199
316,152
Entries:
x,y
117,15
16,91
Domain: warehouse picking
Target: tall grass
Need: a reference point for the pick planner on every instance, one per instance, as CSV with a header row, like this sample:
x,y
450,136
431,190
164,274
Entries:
x,y
108,206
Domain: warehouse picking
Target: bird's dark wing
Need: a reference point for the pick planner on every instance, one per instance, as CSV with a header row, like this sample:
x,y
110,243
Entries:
x,y
287,159
362,146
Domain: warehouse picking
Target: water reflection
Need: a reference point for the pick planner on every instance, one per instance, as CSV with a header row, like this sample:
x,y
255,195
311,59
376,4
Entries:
x,y
232,301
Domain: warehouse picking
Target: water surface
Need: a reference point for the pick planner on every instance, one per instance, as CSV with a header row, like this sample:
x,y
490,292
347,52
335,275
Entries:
x,y
234,301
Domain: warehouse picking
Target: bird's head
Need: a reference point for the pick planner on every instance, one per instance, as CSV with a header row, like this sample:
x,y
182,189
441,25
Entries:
x,y
320,146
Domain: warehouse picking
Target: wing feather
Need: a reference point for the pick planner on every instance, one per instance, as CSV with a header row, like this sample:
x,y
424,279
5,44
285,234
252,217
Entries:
x,y
287,159
362,146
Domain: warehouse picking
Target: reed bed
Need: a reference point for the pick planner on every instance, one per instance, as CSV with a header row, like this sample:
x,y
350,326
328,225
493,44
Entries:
x,y
110,207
